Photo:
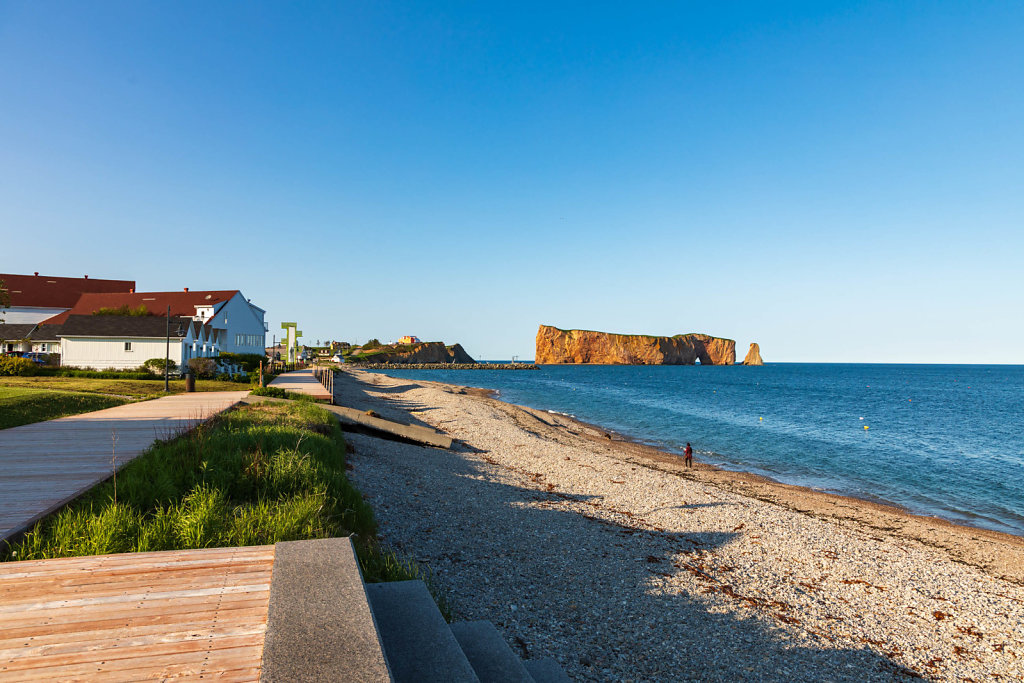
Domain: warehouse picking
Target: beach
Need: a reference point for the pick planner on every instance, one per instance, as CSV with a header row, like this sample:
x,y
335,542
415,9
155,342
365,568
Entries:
x,y
611,557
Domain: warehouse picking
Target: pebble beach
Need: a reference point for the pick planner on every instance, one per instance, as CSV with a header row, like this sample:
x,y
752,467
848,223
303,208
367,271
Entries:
x,y
612,558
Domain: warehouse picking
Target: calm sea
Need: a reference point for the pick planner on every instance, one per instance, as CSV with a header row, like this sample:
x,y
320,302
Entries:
x,y
945,440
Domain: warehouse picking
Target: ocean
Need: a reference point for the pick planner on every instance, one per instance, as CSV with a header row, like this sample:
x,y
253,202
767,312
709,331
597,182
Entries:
x,y
943,440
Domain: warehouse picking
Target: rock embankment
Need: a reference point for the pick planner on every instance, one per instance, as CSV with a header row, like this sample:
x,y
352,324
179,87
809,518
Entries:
x,y
753,355
556,346
423,352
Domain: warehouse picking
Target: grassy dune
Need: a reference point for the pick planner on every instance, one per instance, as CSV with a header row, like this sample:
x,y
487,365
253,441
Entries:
x,y
254,476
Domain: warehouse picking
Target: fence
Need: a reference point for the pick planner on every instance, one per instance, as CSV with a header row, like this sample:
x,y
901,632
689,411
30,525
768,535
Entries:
x,y
326,377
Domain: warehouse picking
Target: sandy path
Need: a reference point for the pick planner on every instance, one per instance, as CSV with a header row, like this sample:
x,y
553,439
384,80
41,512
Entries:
x,y
610,558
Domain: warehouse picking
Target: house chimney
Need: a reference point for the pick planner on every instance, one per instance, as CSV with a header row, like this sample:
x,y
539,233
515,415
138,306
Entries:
x,y
186,289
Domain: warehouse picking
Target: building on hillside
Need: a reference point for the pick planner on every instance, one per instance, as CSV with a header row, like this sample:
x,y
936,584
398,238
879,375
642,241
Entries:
x,y
35,298
409,339
243,323
126,342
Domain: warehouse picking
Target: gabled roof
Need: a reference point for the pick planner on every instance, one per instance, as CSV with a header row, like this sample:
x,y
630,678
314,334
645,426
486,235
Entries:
x,y
181,303
46,291
123,326
10,333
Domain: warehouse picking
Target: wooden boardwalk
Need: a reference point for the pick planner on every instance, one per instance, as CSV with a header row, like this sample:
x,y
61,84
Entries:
x,y
302,382
47,464
145,616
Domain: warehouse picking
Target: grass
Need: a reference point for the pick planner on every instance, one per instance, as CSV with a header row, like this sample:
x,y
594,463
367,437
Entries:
x,y
24,406
134,388
258,475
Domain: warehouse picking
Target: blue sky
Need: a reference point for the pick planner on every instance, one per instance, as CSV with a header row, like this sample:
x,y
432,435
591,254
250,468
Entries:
x,y
836,181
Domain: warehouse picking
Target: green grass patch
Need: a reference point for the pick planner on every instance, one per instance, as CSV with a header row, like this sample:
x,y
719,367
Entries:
x,y
25,406
258,475
135,388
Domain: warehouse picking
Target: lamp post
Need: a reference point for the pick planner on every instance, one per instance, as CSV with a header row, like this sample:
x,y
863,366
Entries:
x,y
167,355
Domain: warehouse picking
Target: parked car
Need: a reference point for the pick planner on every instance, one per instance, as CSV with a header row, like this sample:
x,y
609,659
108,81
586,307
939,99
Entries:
x,y
36,357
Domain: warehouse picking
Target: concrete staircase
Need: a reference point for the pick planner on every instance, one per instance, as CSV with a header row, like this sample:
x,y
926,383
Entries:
x,y
375,632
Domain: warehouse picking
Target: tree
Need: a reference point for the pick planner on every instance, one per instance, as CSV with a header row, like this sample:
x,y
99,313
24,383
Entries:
x,y
5,299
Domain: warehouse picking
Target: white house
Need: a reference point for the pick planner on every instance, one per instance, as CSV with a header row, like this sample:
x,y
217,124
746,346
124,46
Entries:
x,y
243,324
126,342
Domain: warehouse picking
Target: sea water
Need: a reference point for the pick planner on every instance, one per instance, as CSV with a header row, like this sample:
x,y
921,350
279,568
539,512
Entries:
x,y
944,440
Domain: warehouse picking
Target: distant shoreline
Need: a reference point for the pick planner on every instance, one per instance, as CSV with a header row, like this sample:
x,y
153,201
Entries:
x,y
998,553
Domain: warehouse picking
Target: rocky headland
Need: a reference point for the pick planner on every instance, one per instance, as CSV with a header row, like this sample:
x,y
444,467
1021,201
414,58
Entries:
x,y
421,352
556,346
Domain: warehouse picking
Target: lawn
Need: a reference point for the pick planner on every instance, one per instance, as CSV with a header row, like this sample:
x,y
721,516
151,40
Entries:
x,y
20,406
257,475
134,388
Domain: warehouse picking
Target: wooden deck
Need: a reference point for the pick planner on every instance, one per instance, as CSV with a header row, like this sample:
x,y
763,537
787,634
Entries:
x,y
302,382
145,616
47,464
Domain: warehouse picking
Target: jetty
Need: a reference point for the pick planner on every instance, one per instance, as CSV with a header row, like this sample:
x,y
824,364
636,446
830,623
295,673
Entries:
x,y
445,366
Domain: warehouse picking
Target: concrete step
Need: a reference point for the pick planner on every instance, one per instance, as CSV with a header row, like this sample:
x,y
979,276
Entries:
x,y
417,642
488,653
320,627
546,670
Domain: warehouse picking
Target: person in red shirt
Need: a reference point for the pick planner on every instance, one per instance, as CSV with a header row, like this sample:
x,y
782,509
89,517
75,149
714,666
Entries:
x,y
688,453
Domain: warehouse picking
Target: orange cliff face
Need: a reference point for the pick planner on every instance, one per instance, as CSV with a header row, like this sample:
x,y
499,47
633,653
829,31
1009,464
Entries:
x,y
753,355
555,346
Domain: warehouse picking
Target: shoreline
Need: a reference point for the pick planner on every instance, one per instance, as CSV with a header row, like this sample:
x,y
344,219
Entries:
x,y
611,557
998,553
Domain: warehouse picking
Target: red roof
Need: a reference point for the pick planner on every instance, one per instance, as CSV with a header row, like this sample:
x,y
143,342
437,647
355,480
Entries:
x,y
181,303
45,291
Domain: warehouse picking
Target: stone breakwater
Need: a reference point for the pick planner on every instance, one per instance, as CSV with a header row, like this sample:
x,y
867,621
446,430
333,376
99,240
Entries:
x,y
445,366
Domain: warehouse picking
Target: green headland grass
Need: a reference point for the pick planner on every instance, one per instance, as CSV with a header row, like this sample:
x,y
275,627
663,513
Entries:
x,y
254,476
25,406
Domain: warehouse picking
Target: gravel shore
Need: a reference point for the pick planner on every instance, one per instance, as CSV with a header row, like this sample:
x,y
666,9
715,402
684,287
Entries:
x,y
622,565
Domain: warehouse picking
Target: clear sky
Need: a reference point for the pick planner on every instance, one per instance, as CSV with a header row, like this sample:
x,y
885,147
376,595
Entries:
x,y
836,181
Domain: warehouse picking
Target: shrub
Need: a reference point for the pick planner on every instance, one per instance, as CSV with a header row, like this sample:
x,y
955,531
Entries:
x,y
157,365
202,367
17,367
123,309
250,362
372,344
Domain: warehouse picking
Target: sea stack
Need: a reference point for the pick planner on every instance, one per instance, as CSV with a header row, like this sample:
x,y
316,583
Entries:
x,y
753,355
556,346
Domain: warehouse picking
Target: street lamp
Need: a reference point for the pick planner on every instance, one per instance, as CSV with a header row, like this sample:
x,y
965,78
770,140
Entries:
x,y
167,355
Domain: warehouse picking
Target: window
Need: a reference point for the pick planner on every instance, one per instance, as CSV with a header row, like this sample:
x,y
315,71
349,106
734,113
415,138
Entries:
x,y
127,346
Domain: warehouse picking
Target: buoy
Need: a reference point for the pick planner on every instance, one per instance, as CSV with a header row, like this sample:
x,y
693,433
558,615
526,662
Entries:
x,y
861,418
761,419
865,426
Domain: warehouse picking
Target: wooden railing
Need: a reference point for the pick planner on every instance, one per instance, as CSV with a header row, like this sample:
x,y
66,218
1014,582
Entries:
x,y
325,375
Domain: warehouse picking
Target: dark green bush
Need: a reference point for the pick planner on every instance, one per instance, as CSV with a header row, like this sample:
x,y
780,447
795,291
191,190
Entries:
x,y
157,365
250,362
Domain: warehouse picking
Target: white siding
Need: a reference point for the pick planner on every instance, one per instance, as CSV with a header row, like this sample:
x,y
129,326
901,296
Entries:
x,y
240,318
101,353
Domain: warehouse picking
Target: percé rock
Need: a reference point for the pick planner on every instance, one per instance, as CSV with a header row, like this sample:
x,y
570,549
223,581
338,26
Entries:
x,y
423,352
555,346
753,355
